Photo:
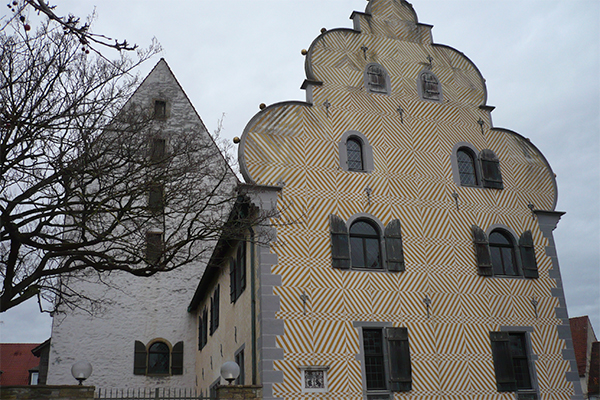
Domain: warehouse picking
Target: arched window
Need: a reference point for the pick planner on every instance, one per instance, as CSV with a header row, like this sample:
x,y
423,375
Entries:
x,y
429,86
376,79
354,152
502,250
466,167
364,245
158,359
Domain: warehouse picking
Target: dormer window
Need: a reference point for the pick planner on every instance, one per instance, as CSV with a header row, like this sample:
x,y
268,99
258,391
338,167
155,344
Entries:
x,y
376,79
429,86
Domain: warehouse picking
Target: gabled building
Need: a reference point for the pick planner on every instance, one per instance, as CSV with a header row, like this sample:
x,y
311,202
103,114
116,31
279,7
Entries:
x,y
142,337
416,259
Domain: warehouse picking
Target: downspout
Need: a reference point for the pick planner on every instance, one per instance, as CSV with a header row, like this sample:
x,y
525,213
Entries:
x,y
253,305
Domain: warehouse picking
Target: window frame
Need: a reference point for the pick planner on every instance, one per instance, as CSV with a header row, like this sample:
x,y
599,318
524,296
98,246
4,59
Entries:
x,y
391,251
368,165
391,336
503,352
214,310
239,358
148,355
358,142
364,237
513,252
473,158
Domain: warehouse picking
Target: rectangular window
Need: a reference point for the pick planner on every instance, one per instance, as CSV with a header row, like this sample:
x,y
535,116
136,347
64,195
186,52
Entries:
x,y
239,360
156,198
374,359
237,272
154,247
386,361
158,149
214,311
202,329
512,364
160,109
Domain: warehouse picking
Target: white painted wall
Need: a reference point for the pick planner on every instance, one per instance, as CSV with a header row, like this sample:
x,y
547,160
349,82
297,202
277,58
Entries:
x,y
136,308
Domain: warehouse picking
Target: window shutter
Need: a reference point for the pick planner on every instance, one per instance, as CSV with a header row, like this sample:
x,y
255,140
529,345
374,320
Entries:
x,y
530,269
212,315
232,279
177,359
482,251
340,250
200,328
393,246
139,360
242,266
399,359
490,169
503,365
216,297
205,327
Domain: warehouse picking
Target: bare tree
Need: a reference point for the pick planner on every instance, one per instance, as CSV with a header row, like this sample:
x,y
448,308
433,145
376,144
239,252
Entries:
x,y
70,25
87,181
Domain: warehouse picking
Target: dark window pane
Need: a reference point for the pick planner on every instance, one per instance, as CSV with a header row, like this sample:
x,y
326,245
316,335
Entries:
x,y
158,358
499,238
239,359
518,351
376,78
358,252
372,253
160,109
363,228
497,260
374,362
466,168
503,254
154,247
354,151
157,151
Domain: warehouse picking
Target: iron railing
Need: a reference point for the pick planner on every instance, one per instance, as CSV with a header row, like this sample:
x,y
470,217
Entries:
x,y
150,394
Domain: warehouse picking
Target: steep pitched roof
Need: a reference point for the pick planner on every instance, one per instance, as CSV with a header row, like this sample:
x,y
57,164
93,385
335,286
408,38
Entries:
x,y
16,359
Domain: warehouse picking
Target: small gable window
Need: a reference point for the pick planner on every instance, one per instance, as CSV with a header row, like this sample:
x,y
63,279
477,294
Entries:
x,y
160,109
376,79
429,86
355,158
466,167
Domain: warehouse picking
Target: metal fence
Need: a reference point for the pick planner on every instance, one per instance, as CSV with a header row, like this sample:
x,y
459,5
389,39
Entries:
x,y
151,394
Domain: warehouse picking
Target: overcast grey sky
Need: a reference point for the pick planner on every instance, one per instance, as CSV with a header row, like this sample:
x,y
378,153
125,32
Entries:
x,y
540,59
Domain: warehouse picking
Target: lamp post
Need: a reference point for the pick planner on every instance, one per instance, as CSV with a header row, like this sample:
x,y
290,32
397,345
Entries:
x,y
81,370
230,371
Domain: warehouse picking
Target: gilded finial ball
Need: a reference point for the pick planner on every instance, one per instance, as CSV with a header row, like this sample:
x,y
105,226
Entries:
x,y
323,30
236,140
304,52
262,106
